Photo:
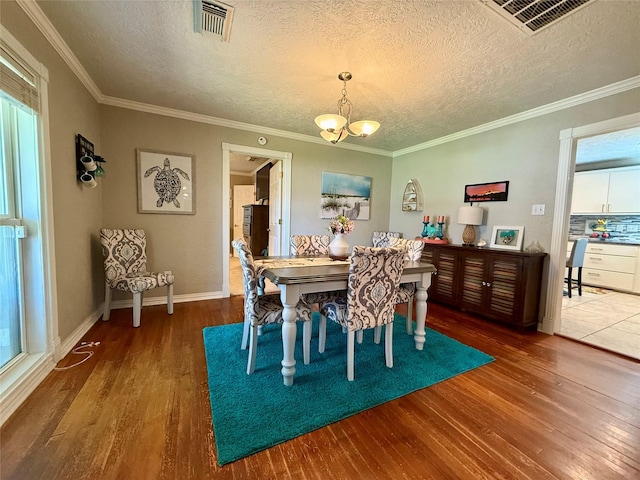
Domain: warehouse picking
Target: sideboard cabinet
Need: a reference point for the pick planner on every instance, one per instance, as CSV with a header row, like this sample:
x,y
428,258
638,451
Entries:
x,y
502,285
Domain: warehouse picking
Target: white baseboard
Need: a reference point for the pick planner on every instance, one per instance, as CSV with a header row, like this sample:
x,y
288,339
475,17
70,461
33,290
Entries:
x,y
18,384
162,300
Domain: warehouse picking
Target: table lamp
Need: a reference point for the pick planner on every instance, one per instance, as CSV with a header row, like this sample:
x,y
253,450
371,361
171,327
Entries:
x,y
469,216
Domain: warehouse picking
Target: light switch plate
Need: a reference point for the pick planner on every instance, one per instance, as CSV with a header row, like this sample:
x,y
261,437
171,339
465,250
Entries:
x,y
537,209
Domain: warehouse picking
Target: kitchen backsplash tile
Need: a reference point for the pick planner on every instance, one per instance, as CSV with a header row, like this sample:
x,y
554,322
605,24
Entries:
x,y
622,228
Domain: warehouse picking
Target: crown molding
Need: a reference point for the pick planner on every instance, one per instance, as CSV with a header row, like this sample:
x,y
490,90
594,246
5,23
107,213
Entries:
x,y
222,122
47,29
38,17
614,88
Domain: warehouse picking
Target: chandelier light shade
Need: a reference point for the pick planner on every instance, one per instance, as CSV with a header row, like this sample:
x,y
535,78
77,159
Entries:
x,y
469,216
335,128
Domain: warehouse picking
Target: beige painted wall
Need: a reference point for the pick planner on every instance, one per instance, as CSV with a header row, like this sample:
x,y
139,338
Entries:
x,y
77,211
190,245
525,154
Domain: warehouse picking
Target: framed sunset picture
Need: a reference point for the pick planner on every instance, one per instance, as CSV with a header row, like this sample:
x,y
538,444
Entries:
x,y
486,192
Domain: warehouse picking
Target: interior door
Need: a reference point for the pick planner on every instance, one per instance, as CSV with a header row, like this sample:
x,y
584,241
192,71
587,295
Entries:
x,y
242,195
275,210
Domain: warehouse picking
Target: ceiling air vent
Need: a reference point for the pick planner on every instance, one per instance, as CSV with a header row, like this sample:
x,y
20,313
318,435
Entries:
x,y
531,16
213,17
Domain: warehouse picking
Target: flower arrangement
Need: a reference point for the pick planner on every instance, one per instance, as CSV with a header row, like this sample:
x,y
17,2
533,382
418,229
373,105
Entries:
x,y
341,224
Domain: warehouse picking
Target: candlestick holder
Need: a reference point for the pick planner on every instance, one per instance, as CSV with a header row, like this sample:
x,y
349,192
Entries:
x,y
440,233
424,229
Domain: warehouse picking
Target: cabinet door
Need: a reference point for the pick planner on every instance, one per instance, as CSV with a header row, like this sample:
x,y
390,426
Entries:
x,y
589,192
504,300
624,192
472,281
442,283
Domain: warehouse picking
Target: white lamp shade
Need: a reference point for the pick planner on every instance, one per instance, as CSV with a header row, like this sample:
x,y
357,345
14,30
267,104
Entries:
x,y
334,137
330,122
469,215
364,127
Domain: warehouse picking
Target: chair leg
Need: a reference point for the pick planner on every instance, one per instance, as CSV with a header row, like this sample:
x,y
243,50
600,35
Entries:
x,y
322,333
569,282
306,342
377,334
388,344
245,333
106,313
253,349
579,281
170,299
410,317
359,336
350,354
137,306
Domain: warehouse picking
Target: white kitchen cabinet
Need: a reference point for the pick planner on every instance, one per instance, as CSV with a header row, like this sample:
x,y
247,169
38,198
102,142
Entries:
x,y
606,191
612,266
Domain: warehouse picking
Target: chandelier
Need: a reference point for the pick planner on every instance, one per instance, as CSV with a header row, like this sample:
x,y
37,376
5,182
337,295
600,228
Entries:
x,y
335,128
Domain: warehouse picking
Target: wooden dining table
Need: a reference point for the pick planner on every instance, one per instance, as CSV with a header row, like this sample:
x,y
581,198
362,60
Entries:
x,y
297,275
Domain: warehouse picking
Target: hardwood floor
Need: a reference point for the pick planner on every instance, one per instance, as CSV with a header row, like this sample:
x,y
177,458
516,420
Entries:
x,y
547,408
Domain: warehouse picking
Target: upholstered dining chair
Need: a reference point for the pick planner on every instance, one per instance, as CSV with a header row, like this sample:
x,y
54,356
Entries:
x,y
309,245
374,276
576,260
382,239
312,246
406,291
125,269
264,309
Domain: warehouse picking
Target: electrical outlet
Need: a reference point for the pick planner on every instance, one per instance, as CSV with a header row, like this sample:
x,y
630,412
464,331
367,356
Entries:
x,y
537,209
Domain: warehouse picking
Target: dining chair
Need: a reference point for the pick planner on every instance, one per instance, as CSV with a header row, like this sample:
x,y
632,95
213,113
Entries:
x,y
311,246
382,239
125,269
374,276
576,260
406,291
264,309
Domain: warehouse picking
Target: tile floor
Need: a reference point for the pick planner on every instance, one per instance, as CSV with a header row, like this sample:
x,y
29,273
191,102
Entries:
x,y
609,319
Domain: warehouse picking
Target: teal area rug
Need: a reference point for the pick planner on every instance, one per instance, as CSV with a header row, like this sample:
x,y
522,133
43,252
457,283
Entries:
x,y
254,412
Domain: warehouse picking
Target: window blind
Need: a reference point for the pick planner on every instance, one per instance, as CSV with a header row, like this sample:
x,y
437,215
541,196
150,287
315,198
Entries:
x,y
17,81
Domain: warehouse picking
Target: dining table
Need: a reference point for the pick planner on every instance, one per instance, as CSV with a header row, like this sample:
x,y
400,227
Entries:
x,y
297,275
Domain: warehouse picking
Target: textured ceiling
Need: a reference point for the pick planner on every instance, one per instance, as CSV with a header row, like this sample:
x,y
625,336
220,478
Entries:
x,y
423,69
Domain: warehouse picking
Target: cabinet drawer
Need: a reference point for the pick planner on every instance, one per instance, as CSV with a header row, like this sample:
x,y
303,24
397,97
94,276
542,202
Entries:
x,y
246,229
609,262
619,250
603,278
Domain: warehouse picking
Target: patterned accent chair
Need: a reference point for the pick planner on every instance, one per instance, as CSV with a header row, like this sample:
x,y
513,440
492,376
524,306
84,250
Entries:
x,y
263,309
406,291
382,239
374,276
125,268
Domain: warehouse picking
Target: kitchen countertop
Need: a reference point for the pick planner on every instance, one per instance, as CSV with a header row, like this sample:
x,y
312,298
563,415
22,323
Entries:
x,y
613,241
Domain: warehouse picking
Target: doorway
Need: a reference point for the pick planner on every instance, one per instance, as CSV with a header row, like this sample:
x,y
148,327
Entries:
x,y
569,138
284,159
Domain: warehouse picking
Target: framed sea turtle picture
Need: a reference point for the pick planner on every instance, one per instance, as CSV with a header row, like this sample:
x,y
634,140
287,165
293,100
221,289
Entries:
x,y
166,182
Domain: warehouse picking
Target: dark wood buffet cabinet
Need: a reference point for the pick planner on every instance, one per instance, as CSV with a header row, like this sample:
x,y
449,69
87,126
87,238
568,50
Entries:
x,y
255,227
502,285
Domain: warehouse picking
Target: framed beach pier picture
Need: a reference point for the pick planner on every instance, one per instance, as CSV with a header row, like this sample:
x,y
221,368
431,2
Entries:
x,y
344,194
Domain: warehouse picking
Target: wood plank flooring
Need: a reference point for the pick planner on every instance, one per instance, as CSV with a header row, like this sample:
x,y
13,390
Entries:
x,y
547,408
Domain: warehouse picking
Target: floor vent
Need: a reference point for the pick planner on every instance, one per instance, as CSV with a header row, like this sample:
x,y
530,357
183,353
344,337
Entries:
x,y
213,17
531,16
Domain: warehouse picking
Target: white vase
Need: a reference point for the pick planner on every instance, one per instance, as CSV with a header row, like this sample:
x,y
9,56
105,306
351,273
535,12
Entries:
x,y
339,246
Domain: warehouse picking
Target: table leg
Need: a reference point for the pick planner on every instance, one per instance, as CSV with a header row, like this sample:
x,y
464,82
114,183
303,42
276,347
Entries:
x,y
421,310
289,294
